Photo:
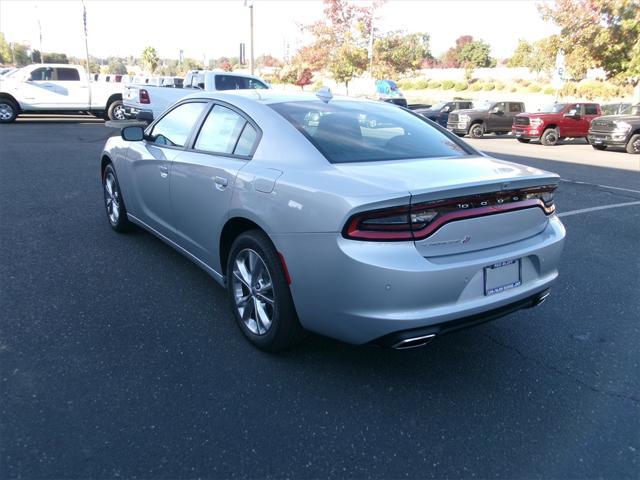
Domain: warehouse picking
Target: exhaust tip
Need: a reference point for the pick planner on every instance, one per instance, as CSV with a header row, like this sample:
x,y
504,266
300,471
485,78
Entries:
x,y
413,342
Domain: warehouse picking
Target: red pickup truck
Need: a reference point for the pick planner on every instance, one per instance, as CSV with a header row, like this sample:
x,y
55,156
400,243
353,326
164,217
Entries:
x,y
555,122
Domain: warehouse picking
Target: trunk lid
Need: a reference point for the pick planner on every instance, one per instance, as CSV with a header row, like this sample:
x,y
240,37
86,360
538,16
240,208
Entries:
x,y
428,180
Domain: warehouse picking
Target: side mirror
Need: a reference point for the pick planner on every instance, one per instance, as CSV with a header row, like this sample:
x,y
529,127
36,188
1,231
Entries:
x,y
572,114
133,133
446,109
497,111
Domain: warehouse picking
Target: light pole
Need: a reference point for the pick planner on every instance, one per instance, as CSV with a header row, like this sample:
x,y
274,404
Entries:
x,y
249,3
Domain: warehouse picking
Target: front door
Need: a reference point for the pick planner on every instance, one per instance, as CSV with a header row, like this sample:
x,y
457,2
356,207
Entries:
x,y
498,119
39,90
203,180
150,164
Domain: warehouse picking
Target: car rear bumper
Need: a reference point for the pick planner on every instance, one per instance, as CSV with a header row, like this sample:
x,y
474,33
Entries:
x,y
360,292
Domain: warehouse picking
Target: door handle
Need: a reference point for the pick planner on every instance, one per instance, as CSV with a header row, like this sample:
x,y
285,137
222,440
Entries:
x,y
221,183
164,171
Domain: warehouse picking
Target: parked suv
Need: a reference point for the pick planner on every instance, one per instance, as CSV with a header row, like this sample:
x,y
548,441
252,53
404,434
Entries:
x,y
492,117
617,131
555,122
439,112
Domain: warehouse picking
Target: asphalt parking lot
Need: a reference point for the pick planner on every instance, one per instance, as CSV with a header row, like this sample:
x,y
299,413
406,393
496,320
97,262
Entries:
x,y
120,358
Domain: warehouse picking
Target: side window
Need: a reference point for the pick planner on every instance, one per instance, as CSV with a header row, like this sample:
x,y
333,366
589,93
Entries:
x,y
464,105
174,128
590,110
41,74
229,82
246,141
500,107
220,131
515,108
255,84
66,75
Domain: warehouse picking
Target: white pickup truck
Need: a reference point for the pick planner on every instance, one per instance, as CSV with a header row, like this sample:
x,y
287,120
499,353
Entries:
x,y
58,88
153,100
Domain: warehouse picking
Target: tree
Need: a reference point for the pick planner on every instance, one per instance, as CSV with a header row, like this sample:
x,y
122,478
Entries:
x,y
150,59
55,58
5,51
397,53
268,61
451,58
475,54
347,62
305,78
602,33
116,65
21,56
522,55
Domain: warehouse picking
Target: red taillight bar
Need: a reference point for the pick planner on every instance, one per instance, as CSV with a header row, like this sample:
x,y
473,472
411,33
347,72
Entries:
x,y
363,226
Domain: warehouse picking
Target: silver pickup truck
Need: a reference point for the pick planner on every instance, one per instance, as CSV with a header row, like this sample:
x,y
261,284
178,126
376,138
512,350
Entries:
x,y
155,99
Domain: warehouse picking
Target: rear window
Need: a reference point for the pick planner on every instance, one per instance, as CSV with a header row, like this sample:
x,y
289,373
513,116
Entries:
x,y
234,82
347,131
590,109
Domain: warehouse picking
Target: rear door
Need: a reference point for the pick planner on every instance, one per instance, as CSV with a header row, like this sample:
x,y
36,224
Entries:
x,y
72,91
150,165
203,179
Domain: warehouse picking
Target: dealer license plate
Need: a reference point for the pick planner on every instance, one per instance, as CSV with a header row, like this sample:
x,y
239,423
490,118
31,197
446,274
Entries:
x,y
502,276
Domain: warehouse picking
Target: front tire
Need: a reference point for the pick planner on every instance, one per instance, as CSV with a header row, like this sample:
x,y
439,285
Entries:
x,y
113,201
259,293
8,111
116,111
476,130
633,145
550,137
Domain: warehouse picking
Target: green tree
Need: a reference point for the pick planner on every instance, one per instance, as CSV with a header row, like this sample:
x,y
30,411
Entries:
x,y
475,54
5,50
397,53
348,62
602,33
522,55
117,66
55,58
21,55
150,59
451,58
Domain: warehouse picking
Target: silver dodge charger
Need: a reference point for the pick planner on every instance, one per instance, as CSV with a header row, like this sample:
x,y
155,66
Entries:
x,y
357,220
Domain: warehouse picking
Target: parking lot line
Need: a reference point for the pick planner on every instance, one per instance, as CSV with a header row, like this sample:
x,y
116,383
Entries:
x,y
601,186
593,209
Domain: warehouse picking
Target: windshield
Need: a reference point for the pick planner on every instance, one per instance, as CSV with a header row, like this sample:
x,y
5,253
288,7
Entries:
x,y
348,131
553,108
438,106
635,110
484,105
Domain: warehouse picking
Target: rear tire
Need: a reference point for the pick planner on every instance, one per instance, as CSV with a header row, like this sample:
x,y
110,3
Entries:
x,y
633,145
524,140
113,201
259,293
550,137
8,110
599,147
476,130
116,111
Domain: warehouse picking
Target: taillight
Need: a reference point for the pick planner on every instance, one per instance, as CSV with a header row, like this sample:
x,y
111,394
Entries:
x,y
418,221
143,96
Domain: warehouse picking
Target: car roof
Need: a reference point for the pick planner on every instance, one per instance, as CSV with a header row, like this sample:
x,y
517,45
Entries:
x,y
268,96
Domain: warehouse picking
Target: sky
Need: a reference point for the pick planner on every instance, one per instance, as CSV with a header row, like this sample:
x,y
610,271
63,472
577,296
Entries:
x,y
207,29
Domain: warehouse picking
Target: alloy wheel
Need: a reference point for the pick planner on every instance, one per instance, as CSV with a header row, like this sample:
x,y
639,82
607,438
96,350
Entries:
x,y
118,113
112,198
253,291
6,111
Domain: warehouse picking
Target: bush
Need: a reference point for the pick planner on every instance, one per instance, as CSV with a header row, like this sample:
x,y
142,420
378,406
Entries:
x,y
317,85
500,86
460,86
513,89
549,91
524,83
534,88
488,86
405,84
448,84
421,84
476,87
434,84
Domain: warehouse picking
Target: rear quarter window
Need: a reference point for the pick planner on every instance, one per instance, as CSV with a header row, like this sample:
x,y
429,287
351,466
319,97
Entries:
x,y
348,131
